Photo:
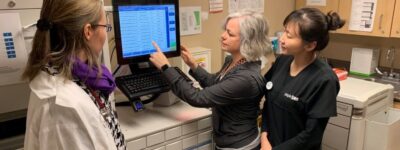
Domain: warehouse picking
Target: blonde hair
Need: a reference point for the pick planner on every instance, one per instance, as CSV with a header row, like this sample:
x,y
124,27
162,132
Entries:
x,y
59,45
254,41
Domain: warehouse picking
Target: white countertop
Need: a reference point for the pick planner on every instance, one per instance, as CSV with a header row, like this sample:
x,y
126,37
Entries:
x,y
157,118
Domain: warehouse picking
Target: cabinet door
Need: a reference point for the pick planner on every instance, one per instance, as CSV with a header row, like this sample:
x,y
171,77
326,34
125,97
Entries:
x,y
382,23
331,5
396,21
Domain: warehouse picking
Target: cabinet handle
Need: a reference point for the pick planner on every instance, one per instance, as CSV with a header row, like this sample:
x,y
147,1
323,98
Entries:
x,y
380,21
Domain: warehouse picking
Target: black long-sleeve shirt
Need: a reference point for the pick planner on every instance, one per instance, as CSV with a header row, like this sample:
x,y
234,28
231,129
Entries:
x,y
297,109
234,100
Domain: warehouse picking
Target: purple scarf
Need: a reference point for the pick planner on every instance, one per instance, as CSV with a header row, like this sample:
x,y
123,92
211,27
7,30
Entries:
x,y
105,83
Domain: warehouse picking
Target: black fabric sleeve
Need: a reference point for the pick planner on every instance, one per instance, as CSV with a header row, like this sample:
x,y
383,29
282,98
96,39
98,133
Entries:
x,y
323,100
233,89
264,118
267,78
308,139
203,77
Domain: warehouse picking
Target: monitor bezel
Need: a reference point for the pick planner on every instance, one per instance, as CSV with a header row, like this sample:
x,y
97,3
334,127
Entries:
x,y
117,32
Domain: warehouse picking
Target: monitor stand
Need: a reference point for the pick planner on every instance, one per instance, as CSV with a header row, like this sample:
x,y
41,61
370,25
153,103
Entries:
x,y
142,66
136,103
160,99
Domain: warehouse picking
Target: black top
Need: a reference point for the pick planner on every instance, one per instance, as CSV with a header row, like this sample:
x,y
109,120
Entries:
x,y
234,100
297,108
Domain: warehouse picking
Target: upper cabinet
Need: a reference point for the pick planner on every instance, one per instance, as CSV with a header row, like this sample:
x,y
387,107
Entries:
x,y
396,21
382,22
382,25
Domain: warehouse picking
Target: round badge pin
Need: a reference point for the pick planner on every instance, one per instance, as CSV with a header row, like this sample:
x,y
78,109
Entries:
x,y
269,85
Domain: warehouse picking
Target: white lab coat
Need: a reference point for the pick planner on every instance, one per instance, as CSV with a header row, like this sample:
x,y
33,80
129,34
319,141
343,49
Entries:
x,y
62,116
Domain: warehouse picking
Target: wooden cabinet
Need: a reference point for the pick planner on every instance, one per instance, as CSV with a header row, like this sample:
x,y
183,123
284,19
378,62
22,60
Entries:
x,y
382,23
386,22
396,21
331,5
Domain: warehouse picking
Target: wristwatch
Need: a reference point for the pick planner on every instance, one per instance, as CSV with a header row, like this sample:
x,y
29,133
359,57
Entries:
x,y
165,67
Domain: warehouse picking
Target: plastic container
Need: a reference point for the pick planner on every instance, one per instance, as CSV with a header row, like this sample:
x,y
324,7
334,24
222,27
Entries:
x,y
383,130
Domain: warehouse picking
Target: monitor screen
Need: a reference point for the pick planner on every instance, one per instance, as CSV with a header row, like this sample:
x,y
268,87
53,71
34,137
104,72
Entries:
x,y
137,25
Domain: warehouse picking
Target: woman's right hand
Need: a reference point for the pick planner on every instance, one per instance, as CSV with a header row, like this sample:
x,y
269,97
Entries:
x,y
265,145
188,58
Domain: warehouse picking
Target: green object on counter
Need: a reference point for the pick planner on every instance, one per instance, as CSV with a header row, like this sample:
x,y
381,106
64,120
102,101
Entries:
x,y
360,74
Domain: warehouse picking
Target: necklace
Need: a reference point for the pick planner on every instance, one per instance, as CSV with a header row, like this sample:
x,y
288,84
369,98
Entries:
x,y
226,69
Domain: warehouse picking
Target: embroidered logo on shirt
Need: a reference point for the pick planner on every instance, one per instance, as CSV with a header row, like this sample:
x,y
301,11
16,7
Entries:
x,y
292,97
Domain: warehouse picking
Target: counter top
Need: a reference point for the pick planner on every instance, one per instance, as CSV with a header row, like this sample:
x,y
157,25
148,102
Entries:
x,y
157,118
396,86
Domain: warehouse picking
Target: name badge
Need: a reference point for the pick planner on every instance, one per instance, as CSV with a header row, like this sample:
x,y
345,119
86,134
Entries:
x,y
269,85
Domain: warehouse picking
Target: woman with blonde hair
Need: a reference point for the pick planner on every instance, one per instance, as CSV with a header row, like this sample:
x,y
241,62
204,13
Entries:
x,y
69,106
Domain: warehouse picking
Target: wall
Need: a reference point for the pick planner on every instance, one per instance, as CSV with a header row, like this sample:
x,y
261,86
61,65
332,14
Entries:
x,y
341,45
275,11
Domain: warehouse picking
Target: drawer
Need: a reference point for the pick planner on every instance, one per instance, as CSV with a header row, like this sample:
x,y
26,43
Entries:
x,y
174,146
136,144
189,142
335,137
204,137
160,148
155,138
344,109
173,133
204,123
189,128
340,120
205,147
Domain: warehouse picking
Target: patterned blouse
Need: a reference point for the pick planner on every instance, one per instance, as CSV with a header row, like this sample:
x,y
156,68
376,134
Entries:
x,y
109,115
104,105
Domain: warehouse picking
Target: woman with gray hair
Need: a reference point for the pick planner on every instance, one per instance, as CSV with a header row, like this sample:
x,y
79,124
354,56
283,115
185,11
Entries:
x,y
233,93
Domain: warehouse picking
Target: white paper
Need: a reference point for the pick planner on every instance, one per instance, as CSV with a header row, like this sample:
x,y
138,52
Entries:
x,y
362,15
216,6
190,20
364,60
13,54
256,5
316,3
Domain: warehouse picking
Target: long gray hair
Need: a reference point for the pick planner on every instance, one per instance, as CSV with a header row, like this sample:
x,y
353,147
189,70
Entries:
x,y
254,41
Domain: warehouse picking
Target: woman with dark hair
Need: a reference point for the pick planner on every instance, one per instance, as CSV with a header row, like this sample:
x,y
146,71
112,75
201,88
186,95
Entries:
x,y
301,90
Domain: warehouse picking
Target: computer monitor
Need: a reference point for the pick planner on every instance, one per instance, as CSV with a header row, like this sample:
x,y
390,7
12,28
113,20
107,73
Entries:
x,y
139,22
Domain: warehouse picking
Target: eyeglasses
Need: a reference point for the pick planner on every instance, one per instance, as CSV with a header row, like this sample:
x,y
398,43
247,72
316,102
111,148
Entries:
x,y
107,26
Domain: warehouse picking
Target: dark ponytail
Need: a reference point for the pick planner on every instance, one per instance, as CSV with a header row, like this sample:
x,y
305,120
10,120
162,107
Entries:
x,y
314,25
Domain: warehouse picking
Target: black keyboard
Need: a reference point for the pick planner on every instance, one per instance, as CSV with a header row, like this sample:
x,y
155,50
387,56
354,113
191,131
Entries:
x,y
143,83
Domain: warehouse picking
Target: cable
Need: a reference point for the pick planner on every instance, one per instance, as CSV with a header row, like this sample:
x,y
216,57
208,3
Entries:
x,y
116,70
112,54
151,99
146,101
